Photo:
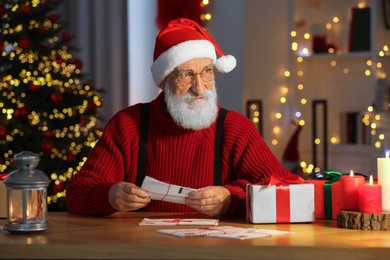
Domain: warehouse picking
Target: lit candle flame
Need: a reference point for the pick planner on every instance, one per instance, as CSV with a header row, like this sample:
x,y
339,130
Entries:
x,y
387,154
371,180
351,173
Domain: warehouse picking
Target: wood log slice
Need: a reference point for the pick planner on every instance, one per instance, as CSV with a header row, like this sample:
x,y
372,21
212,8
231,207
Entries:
x,y
363,221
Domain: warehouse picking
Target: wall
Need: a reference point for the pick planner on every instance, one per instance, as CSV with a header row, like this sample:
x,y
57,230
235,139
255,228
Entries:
x,y
142,32
266,57
226,28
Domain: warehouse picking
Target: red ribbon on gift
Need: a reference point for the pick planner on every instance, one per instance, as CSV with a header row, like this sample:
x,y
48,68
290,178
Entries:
x,y
283,195
177,220
286,180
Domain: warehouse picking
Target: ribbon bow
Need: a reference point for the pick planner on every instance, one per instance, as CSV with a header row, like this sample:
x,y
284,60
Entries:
x,y
286,180
328,175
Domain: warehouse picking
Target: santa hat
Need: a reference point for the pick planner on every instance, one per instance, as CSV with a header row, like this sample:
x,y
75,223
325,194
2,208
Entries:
x,y
182,40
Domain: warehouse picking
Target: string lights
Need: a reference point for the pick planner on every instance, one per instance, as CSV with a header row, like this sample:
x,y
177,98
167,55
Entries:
x,y
205,15
302,48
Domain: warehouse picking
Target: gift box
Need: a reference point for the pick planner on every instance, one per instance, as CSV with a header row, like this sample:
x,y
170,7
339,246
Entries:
x,y
327,201
326,198
286,200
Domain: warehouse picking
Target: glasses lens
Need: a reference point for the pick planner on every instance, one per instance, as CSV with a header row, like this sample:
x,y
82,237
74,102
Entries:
x,y
186,77
207,74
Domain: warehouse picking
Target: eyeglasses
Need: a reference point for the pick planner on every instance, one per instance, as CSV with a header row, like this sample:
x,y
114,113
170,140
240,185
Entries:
x,y
186,77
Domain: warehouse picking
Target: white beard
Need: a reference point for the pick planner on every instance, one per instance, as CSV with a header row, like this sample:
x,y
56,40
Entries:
x,y
191,114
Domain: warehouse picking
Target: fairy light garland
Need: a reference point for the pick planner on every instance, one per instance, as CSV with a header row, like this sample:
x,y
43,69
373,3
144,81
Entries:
x,y
301,45
205,15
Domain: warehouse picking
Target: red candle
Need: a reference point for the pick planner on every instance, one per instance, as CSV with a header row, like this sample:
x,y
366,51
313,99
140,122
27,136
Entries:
x,y
349,191
370,198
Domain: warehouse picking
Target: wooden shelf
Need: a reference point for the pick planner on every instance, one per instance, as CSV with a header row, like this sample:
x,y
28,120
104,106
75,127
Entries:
x,y
363,54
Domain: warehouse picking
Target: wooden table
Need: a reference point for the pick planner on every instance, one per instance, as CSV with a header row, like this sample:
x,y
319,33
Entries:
x,y
119,237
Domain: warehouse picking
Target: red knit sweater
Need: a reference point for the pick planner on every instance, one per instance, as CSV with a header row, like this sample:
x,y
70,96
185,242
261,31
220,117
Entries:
x,y
174,155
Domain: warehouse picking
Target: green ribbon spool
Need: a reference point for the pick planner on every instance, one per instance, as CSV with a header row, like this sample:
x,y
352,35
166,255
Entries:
x,y
333,177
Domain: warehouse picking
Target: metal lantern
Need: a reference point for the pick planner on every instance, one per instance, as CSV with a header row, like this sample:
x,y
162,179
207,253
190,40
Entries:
x,y
26,195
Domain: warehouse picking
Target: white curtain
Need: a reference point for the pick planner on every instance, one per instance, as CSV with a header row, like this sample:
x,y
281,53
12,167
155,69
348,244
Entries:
x,y
99,28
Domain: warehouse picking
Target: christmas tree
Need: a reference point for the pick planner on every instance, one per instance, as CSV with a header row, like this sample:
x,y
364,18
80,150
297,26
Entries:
x,y
45,107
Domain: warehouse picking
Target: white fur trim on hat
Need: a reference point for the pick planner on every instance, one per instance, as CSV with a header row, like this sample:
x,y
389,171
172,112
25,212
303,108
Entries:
x,y
179,54
226,63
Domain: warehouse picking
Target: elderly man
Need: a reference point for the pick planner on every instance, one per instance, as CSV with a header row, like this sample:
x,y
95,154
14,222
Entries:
x,y
183,137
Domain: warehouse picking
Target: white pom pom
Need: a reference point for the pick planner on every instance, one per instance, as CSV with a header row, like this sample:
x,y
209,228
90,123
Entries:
x,y
226,63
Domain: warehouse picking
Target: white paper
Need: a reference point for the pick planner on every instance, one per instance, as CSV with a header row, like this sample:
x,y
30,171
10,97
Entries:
x,y
205,231
178,222
224,232
159,190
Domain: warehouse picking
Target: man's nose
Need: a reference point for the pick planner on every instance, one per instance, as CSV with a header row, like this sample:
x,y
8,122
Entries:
x,y
198,86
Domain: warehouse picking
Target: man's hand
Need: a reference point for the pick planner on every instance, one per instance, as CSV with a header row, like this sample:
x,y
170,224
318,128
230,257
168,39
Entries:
x,y
211,200
126,196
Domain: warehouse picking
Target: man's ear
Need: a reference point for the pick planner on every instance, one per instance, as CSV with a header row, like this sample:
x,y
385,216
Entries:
x,y
163,84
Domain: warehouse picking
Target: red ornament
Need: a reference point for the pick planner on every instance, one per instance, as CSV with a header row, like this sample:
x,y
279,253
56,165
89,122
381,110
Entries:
x,y
70,157
53,18
91,106
2,9
48,134
33,87
66,36
22,112
24,42
83,122
46,146
3,132
25,9
1,45
58,186
60,60
69,90
57,98
42,30
78,64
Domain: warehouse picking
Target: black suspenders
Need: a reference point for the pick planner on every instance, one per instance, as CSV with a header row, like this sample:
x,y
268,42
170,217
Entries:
x,y
218,148
144,137
143,140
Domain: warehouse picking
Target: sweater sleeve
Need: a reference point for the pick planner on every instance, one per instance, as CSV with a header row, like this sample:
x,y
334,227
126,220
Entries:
x,y
87,191
249,158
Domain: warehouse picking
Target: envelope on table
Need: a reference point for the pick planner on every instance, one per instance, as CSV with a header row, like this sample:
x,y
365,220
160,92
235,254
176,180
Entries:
x,y
178,222
281,203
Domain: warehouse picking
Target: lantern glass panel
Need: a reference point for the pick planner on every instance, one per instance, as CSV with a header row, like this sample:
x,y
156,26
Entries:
x,y
36,205
30,209
15,206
